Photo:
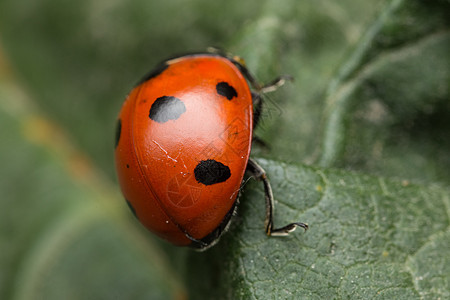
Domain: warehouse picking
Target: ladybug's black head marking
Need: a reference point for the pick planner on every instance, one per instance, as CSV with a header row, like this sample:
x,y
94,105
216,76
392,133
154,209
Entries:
x,y
118,131
224,89
154,73
211,171
166,108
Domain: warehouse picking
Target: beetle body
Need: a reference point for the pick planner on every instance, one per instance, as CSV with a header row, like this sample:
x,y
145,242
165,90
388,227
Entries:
x,y
183,142
183,145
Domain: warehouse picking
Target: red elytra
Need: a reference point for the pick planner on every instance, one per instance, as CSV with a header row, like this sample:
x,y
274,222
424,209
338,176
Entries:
x,y
182,147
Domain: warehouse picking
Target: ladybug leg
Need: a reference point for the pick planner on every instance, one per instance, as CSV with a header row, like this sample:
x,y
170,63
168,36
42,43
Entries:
x,y
267,88
275,84
258,172
258,107
198,244
261,89
257,104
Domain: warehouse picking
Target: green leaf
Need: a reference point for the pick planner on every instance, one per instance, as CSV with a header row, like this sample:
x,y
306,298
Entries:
x,y
358,149
369,237
388,105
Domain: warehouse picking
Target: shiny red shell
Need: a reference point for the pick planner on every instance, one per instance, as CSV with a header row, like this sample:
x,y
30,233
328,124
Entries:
x,y
182,146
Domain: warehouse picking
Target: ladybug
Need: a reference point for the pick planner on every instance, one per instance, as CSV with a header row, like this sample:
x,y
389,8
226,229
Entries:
x,y
183,143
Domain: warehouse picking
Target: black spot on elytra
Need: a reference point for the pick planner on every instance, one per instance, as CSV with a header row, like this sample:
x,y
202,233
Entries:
x,y
224,89
166,108
211,171
153,73
131,208
118,131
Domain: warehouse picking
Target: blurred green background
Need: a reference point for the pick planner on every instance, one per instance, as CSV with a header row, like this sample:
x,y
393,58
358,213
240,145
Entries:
x,y
370,95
